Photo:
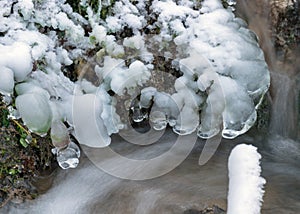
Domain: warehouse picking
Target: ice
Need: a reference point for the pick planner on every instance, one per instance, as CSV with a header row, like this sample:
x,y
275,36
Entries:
x,y
245,183
59,134
210,5
6,81
135,75
35,112
135,42
158,120
30,87
40,43
147,95
16,57
99,32
220,69
239,114
137,113
88,124
211,115
187,118
68,157
26,8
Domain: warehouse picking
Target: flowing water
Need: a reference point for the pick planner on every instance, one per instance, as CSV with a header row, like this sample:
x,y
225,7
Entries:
x,y
87,189
190,186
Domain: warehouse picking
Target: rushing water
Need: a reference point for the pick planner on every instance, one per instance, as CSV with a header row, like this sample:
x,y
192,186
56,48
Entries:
x,y
190,186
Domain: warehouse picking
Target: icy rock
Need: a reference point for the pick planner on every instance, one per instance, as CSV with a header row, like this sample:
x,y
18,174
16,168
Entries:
x,y
68,157
35,112
16,57
6,81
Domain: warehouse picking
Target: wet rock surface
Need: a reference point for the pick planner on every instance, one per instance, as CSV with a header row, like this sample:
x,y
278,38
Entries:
x,y
210,210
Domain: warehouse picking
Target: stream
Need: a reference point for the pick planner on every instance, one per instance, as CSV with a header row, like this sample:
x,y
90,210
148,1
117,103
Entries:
x,y
188,187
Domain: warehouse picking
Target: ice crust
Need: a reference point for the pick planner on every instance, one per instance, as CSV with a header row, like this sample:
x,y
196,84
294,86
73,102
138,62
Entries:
x,y
224,74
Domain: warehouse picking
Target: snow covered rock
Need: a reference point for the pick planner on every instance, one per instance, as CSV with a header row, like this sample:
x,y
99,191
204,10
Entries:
x,y
245,183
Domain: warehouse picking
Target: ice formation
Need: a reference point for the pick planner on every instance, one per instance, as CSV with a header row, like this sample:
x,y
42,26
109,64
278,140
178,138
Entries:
x,y
220,69
245,183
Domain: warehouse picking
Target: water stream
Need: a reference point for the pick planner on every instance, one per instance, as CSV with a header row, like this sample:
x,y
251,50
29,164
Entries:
x,y
190,186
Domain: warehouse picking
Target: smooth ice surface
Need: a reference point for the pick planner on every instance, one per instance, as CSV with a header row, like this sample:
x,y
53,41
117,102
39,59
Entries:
x,y
89,127
35,112
59,134
7,82
245,183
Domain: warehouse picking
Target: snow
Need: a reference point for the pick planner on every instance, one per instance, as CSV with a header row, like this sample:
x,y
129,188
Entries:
x,y
245,183
26,8
224,74
6,81
16,57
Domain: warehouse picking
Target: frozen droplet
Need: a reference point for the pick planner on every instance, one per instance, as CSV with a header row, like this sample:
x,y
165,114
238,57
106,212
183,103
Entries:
x,y
158,120
59,134
68,157
138,115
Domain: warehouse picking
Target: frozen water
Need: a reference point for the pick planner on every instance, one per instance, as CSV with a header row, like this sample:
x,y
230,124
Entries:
x,y
7,82
35,112
89,126
59,134
158,120
68,157
223,74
